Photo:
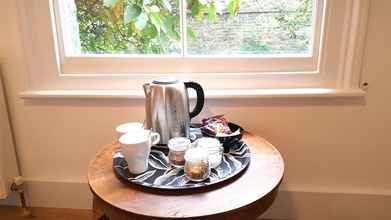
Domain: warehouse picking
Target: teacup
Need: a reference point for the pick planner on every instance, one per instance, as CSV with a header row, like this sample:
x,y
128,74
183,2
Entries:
x,y
136,147
128,127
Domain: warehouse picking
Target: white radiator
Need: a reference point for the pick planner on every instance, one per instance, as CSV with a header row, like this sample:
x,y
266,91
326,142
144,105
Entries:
x,y
8,163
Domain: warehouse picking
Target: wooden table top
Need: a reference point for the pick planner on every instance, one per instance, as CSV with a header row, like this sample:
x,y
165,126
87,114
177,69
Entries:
x,y
261,177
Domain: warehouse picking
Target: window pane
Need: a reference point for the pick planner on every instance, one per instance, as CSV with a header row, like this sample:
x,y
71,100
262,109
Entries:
x,y
257,27
128,27
214,27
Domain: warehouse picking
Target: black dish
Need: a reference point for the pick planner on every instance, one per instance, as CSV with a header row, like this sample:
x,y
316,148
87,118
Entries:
x,y
160,174
229,140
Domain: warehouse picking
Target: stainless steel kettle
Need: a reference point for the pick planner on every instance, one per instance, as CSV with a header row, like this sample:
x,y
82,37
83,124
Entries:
x,y
167,107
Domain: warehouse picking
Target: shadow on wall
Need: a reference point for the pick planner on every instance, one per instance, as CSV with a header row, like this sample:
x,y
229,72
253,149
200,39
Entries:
x,y
242,106
289,102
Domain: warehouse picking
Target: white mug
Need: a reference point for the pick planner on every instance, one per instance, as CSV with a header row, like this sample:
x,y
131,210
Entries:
x,y
136,146
128,127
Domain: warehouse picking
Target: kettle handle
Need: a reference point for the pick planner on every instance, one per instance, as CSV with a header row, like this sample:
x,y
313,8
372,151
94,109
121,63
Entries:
x,y
200,98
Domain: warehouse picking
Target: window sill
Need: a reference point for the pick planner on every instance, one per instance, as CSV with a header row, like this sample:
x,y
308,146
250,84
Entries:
x,y
210,94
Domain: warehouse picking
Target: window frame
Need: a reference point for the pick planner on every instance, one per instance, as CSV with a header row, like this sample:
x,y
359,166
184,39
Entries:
x,y
50,72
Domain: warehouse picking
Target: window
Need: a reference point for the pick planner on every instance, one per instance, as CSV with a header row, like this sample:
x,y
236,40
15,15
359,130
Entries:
x,y
216,28
188,36
224,44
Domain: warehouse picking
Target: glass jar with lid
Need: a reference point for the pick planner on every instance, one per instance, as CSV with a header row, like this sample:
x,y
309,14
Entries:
x,y
177,147
197,166
214,148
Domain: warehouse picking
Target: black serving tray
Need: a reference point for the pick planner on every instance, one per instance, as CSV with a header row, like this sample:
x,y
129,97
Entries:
x,y
161,175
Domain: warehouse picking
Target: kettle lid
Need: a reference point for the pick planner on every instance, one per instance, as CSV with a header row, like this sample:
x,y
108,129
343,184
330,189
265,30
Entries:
x,y
165,81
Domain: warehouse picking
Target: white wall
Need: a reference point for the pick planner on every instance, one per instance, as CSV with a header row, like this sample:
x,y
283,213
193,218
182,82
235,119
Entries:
x,y
329,145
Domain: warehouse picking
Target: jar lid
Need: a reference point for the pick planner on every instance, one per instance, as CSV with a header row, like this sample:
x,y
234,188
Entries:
x,y
179,144
196,154
209,143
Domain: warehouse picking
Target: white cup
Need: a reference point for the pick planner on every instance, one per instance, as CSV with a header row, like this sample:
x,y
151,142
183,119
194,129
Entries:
x,y
128,127
136,146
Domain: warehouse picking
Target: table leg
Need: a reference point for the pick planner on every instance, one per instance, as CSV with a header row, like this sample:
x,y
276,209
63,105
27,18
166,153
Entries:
x,y
98,213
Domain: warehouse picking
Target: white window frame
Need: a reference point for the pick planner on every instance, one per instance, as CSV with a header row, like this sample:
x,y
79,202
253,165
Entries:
x,y
333,69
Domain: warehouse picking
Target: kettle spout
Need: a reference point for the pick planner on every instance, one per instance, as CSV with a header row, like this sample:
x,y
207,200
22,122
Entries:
x,y
147,89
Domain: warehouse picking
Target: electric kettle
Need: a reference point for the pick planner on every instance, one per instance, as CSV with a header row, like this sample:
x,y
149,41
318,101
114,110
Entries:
x,y
167,107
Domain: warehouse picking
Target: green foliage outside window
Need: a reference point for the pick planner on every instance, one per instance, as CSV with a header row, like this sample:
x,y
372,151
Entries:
x,y
293,21
153,26
142,26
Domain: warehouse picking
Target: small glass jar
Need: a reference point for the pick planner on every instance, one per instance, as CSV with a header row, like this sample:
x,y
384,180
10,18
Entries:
x,y
214,148
197,166
177,148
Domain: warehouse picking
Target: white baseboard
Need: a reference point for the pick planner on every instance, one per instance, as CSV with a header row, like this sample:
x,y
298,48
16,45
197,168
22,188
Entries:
x,y
12,199
288,205
327,205
73,195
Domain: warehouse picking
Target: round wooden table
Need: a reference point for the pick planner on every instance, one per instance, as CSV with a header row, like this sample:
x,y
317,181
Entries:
x,y
244,197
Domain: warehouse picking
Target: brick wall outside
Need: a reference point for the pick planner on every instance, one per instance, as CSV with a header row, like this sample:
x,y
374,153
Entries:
x,y
253,30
